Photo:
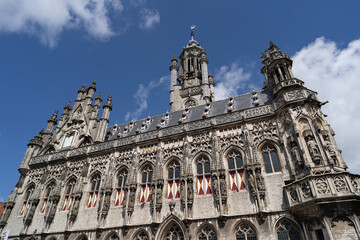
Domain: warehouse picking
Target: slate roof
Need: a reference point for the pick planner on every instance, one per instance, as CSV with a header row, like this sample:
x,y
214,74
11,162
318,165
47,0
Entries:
x,y
216,108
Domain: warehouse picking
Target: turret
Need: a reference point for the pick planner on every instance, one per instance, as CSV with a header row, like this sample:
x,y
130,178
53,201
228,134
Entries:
x,y
51,123
173,69
34,146
104,120
81,93
278,70
193,86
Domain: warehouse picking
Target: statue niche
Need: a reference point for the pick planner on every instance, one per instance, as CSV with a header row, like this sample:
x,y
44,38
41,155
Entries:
x,y
312,147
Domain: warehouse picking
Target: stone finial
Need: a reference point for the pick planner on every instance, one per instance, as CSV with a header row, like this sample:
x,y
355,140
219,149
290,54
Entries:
x,y
93,85
82,89
54,118
99,97
108,102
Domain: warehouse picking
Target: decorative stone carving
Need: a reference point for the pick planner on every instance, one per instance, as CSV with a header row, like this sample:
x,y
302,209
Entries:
x,y
305,190
340,184
295,153
264,130
259,180
251,181
125,158
293,195
98,163
35,175
259,111
201,142
330,148
322,186
355,184
231,136
215,188
148,153
190,192
173,148
223,188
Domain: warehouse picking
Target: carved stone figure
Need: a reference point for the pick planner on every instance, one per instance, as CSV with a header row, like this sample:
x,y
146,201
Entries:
x,y
215,187
182,191
131,198
106,205
259,180
312,145
75,209
159,195
30,215
251,181
223,187
190,191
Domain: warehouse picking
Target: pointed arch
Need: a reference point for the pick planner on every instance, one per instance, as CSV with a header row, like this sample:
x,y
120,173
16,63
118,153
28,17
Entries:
x,y
49,188
112,235
86,141
171,173
141,234
27,198
168,223
206,231
202,166
95,183
235,165
82,236
121,179
287,229
245,230
145,178
270,155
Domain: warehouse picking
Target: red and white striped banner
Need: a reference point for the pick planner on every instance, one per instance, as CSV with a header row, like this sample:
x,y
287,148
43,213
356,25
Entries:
x,y
145,193
237,180
173,189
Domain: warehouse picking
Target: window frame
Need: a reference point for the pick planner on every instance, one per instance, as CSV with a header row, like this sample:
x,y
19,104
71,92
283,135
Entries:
x,y
95,185
268,149
250,226
145,184
121,188
68,195
26,200
46,197
236,173
205,175
174,180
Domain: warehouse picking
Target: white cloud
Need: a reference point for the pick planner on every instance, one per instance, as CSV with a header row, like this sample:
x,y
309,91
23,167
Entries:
x,y
334,73
149,18
229,80
48,19
141,96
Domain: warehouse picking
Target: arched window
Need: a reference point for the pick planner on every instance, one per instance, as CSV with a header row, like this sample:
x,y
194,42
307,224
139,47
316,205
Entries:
x,y
203,175
245,232
271,160
121,191
27,198
174,233
285,230
113,236
207,233
236,171
68,199
146,178
94,191
142,236
46,197
68,139
174,180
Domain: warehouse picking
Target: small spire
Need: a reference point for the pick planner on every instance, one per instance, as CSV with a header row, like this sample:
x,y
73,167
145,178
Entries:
x,y
82,89
53,118
99,96
93,85
192,31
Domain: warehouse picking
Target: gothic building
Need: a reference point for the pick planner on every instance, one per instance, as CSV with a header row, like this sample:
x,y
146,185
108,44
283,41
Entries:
x,y
262,165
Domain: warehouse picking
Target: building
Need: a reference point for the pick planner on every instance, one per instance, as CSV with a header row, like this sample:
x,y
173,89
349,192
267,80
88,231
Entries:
x,y
263,165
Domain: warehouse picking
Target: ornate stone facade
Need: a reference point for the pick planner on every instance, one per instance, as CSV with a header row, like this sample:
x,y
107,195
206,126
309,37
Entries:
x,y
262,165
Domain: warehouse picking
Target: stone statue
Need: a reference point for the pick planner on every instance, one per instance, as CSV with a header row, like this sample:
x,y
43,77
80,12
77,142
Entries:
x,y
215,187
30,215
190,191
223,187
251,181
159,195
313,148
259,180
131,199
106,205
182,191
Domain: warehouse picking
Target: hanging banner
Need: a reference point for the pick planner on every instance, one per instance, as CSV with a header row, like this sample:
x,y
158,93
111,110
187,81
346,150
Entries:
x,y
5,234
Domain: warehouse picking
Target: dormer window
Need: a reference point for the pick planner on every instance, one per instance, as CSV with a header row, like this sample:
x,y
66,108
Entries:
x,y
131,124
148,120
126,130
69,139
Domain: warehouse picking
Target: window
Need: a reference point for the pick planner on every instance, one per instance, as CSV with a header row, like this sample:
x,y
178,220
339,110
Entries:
x,y
26,203
236,171
174,233
68,199
207,233
142,236
285,230
121,191
69,138
46,198
245,232
203,175
146,184
271,160
94,191
174,180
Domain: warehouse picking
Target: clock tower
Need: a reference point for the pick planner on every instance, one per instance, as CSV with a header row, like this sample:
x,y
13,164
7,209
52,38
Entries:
x,y
191,83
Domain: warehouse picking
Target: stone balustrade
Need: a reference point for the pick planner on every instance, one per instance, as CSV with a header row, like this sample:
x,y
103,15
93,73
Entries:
x,y
328,185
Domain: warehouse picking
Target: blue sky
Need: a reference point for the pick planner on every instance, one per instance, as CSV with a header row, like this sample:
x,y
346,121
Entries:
x,y
49,50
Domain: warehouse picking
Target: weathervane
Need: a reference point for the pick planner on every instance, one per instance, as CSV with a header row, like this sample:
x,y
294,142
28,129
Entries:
x,y
192,32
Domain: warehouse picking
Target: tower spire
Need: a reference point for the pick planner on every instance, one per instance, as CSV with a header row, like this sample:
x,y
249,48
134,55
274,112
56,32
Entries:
x,y
192,31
